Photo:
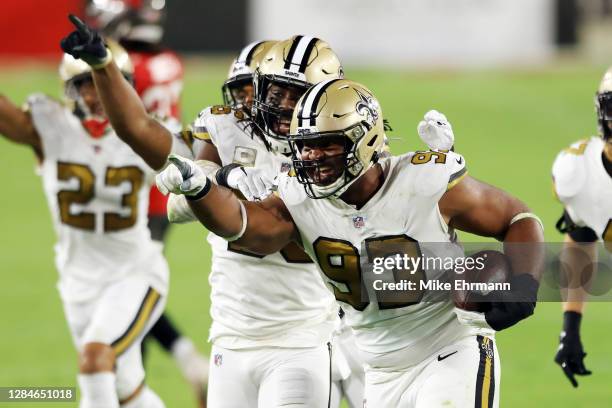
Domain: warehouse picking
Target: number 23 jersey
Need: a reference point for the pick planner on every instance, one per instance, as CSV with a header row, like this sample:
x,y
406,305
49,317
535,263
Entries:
x,y
403,211
97,190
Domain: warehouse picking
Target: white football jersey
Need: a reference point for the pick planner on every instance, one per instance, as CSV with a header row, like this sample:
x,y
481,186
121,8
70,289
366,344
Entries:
x,y
344,240
584,187
274,300
98,191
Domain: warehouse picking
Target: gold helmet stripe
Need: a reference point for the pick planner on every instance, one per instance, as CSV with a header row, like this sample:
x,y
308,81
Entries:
x,y
308,108
299,53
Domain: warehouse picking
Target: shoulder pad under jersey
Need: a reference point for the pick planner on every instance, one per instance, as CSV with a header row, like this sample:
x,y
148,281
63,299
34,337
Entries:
x,y
40,99
212,120
434,171
569,171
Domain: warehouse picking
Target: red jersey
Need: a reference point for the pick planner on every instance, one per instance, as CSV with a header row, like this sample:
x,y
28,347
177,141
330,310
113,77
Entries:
x,y
158,79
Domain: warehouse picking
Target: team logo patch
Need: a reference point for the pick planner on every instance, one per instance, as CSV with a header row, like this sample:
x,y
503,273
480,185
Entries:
x,y
358,221
245,156
368,107
285,167
218,360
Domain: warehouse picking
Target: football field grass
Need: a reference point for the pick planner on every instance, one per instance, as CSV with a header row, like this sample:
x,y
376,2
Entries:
x,y
509,125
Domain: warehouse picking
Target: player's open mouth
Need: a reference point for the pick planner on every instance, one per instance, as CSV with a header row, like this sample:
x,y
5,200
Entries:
x,y
324,175
325,171
284,126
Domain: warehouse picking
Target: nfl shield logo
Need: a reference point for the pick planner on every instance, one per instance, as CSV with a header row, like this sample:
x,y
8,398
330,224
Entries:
x,y
358,221
218,359
285,167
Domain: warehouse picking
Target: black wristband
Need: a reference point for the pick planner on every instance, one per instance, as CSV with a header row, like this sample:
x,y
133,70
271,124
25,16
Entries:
x,y
525,286
201,193
571,322
223,172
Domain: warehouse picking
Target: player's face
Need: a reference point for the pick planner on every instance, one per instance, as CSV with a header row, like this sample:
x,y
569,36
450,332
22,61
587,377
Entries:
x,y
87,91
283,99
327,155
243,95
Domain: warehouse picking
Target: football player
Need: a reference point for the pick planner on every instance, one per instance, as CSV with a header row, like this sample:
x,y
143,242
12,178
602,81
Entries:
x,y
272,316
113,278
158,80
345,205
582,176
255,180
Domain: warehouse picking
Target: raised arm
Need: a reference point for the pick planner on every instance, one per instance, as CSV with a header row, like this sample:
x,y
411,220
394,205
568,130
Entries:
x,y
126,112
17,126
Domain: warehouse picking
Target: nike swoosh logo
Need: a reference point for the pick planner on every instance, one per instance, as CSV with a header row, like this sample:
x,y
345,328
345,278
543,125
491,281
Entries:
x,y
459,160
441,357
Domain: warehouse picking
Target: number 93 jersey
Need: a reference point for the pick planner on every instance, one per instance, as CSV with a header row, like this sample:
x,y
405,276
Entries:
x,y
276,300
584,187
97,190
402,217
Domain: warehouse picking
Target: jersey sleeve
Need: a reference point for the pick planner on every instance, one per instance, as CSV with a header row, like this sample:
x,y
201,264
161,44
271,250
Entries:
x,y
203,126
46,112
204,129
183,144
215,121
435,172
569,172
456,169
569,177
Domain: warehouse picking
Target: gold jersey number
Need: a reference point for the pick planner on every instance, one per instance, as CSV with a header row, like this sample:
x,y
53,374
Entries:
x,y
85,193
292,253
340,261
425,157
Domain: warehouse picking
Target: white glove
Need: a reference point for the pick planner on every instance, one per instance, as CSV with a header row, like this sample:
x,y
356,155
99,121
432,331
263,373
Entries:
x,y
253,183
181,176
436,131
179,211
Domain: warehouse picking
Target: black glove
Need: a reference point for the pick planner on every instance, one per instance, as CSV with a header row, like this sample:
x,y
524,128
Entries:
x,y
508,308
570,355
86,44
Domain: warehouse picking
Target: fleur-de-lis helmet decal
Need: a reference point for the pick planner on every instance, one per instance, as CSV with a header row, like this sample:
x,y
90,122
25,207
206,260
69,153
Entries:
x,y
368,107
